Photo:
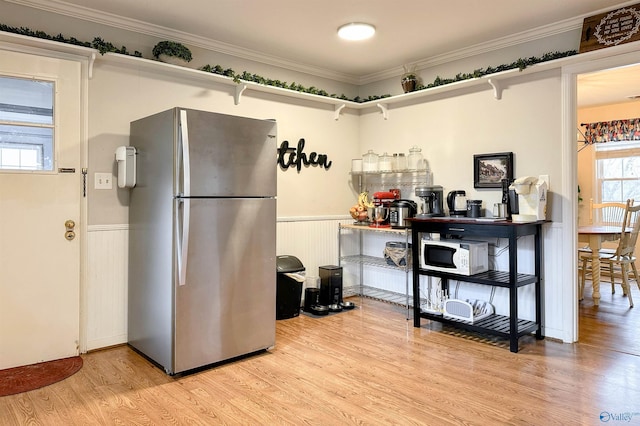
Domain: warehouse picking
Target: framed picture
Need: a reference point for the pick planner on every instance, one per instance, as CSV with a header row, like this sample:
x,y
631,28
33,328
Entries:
x,y
490,169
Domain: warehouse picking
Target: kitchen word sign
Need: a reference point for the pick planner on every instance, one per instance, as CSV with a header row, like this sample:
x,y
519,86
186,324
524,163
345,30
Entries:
x,y
289,157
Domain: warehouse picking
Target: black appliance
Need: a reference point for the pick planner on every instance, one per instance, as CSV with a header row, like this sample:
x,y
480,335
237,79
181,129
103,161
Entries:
x,y
510,198
311,295
330,284
288,286
457,203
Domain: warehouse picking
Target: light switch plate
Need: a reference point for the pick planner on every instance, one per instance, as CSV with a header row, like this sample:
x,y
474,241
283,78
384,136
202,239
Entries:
x,y
545,178
103,181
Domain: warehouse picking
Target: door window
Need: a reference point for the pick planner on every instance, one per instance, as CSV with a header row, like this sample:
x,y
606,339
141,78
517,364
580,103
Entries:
x,y
26,124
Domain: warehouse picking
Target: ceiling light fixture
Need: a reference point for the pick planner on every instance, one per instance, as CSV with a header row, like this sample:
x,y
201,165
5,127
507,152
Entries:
x,y
356,31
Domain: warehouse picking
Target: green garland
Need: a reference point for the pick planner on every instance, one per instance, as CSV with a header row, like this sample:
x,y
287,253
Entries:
x,y
104,47
521,64
98,44
255,78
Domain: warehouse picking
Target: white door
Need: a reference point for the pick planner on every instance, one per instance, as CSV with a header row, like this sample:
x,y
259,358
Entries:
x,y
39,266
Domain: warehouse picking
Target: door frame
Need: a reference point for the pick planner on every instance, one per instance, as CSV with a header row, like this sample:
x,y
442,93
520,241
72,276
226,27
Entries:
x,y
86,57
594,61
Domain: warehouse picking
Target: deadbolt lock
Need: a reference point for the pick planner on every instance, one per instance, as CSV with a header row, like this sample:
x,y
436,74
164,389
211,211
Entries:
x,y
69,235
69,224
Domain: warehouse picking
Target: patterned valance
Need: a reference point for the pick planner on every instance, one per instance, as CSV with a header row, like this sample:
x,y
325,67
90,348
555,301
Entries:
x,y
612,131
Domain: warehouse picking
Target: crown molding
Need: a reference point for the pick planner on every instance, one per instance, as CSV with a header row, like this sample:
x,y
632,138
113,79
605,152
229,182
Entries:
x,y
141,27
481,48
136,26
545,31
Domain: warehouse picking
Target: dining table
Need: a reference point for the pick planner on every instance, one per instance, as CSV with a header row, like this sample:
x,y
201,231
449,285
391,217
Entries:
x,y
595,235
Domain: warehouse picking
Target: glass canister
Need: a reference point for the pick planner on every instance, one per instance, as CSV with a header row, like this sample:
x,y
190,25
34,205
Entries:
x,y
370,161
414,161
385,162
401,162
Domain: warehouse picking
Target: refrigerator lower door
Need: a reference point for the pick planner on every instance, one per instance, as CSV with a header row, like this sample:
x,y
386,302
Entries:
x,y
225,307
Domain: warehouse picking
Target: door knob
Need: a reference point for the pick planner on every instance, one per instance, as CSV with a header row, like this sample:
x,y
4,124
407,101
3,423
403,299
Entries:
x,y
69,232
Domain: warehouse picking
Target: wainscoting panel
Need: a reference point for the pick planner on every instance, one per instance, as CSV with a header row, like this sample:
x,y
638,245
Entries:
x,y
554,302
315,242
312,240
106,290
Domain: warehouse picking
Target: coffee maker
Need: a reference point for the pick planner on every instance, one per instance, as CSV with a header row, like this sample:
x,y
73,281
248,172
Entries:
x,y
431,205
457,203
528,199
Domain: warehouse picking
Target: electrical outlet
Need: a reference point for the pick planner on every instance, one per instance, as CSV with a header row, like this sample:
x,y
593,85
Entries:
x,y
103,181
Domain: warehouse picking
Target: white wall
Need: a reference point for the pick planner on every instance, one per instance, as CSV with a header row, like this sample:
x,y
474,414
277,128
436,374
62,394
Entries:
x,y
526,121
120,95
452,129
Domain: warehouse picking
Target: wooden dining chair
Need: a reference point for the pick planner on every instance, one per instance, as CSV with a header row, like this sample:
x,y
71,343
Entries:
x,y
621,258
610,213
605,214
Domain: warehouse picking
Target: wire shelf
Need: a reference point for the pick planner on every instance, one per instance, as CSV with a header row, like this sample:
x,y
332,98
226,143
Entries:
x,y
380,262
399,299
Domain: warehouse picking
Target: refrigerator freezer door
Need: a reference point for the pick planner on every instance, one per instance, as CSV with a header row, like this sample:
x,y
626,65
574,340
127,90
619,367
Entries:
x,y
226,307
227,156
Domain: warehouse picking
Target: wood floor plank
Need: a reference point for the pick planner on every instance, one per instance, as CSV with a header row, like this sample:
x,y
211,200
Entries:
x,y
361,367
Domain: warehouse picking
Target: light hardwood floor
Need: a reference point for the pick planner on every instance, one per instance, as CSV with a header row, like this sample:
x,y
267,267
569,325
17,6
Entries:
x,y
368,366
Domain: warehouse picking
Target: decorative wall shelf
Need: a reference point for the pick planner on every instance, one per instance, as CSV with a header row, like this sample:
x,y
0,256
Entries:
x,y
27,44
494,81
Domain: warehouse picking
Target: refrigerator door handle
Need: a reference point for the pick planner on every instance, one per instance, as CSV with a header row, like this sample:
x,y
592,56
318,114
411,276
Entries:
x,y
182,238
186,161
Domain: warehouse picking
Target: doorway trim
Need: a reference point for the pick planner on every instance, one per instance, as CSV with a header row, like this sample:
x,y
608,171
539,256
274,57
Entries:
x,y
599,60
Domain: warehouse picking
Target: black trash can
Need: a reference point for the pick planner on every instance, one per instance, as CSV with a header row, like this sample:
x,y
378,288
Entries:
x,y
288,286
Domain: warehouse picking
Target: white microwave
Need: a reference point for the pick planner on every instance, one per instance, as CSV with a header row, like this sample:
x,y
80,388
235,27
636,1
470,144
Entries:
x,y
462,257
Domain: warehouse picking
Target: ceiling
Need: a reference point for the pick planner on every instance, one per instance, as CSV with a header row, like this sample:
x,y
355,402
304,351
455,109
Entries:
x,y
301,34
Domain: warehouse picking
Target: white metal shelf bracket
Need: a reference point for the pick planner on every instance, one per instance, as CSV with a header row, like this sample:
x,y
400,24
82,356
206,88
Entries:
x,y
337,110
384,109
240,88
497,88
92,60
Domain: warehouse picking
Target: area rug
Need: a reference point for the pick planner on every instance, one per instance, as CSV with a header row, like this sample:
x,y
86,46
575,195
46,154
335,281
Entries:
x,y
29,377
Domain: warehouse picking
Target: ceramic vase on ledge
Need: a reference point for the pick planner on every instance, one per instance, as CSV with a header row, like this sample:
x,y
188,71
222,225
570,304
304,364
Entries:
x,y
409,79
409,83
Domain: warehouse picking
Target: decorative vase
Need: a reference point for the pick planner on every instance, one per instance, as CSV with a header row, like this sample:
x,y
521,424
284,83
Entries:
x,y
409,79
409,84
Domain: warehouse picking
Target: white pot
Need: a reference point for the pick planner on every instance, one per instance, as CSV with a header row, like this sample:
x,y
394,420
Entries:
x,y
173,60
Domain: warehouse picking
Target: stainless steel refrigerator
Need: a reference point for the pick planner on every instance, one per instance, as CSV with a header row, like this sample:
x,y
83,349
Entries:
x,y
202,238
